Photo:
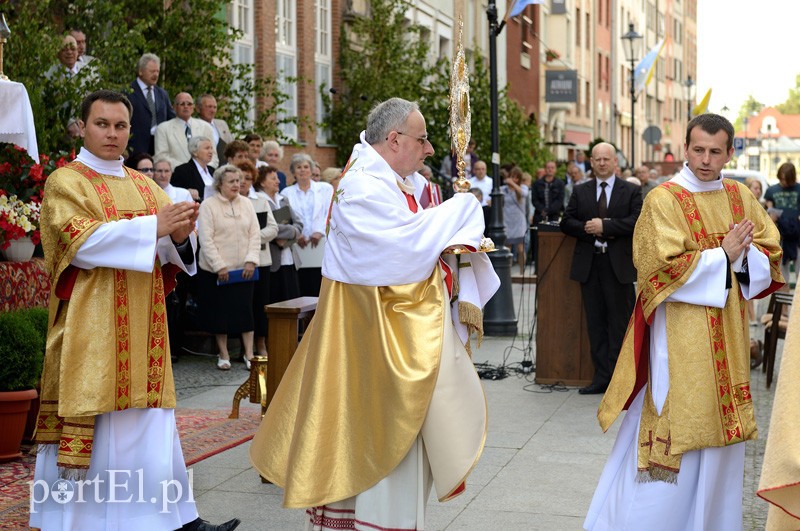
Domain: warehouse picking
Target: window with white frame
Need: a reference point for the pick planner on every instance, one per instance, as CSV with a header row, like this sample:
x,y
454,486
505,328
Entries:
x,y
240,17
286,62
323,62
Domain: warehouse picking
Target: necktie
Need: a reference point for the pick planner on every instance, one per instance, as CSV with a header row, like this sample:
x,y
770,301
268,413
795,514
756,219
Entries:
x,y
151,104
188,133
602,202
602,205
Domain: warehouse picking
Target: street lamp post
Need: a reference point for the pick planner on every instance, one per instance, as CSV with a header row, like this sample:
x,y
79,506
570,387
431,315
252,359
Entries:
x,y
689,86
498,315
631,51
746,121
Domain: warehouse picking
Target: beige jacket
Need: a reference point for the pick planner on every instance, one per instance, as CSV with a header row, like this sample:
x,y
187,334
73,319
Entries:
x,y
228,232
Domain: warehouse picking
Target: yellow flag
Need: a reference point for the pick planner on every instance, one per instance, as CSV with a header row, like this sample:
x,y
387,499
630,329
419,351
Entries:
x,y
702,107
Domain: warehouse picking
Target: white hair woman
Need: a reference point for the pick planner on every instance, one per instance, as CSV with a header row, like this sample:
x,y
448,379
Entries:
x,y
197,174
229,253
310,200
272,154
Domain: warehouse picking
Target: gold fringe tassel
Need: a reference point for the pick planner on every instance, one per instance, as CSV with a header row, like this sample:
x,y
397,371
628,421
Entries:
x,y
472,317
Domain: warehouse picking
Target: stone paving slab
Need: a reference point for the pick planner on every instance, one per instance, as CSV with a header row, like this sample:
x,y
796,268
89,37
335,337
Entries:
x,y
542,460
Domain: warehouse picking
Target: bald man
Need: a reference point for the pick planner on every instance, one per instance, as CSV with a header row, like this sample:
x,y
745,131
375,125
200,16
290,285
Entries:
x,y
601,214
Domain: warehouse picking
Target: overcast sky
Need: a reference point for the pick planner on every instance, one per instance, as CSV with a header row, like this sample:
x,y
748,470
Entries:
x,y
747,47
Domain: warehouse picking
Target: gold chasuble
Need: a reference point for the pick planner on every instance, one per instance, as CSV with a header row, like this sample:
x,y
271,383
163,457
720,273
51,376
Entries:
x,y
780,474
357,392
127,362
709,402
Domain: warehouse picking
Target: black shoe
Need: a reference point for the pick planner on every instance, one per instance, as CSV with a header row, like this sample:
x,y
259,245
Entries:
x,y
202,525
593,389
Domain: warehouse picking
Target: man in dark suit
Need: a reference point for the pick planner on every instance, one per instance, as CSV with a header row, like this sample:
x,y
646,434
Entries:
x,y
151,105
601,214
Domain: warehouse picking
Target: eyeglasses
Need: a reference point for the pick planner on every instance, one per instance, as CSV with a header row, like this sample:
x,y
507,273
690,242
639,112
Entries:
x,y
163,171
421,139
186,104
146,170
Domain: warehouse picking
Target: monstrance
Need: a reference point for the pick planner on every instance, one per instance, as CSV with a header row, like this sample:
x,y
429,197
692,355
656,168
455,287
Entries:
x,y
460,125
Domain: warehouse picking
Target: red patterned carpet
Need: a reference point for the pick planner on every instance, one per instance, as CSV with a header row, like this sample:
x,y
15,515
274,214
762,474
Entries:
x,y
203,433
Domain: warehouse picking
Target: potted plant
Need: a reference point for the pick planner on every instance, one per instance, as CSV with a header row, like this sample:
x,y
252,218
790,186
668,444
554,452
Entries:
x,y
21,360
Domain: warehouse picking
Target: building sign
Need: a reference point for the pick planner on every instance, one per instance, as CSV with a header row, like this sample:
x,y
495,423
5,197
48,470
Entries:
x,y
562,86
558,7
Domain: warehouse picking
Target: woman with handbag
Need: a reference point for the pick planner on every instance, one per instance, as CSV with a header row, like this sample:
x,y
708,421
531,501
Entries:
x,y
284,284
230,242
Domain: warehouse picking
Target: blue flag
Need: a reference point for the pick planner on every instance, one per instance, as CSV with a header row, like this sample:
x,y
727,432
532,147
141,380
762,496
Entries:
x,y
520,5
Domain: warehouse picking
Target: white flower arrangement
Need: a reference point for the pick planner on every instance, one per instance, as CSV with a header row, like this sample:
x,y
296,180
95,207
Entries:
x,y
18,219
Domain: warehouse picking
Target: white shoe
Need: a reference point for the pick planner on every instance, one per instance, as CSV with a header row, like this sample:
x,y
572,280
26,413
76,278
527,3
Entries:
x,y
247,363
223,365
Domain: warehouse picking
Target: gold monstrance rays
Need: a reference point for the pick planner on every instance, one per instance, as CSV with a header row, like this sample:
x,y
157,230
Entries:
x,y
460,125
460,120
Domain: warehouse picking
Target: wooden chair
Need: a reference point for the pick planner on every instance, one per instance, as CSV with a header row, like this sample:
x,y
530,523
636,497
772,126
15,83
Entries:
x,y
774,329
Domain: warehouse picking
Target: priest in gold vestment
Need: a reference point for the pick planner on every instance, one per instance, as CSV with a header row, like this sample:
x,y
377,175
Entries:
x,y
381,399
108,454
780,473
703,246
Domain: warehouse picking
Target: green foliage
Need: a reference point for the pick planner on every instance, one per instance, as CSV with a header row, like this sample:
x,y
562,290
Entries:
x,y
22,342
750,107
118,33
396,64
792,103
519,137
381,57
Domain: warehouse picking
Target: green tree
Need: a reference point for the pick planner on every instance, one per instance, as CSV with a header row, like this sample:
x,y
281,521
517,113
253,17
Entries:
x,y
519,137
191,37
396,64
382,56
750,107
792,103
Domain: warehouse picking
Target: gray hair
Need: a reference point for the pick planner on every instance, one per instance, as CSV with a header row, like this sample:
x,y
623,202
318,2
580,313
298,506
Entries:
x,y
145,59
219,175
270,145
388,116
195,141
297,158
162,160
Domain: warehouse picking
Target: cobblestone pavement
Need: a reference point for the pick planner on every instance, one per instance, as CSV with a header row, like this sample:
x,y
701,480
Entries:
x,y
197,372
754,509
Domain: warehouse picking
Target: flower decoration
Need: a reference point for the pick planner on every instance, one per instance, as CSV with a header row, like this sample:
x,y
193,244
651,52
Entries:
x,y
18,219
22,190
551,55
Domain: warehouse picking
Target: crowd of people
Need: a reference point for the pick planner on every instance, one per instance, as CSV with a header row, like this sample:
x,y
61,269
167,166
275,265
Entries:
x,y
215,215
261,231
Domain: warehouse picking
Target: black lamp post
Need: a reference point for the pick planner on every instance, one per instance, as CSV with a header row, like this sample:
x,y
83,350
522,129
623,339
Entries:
x,y
688,88
498,315
746,121
631,51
